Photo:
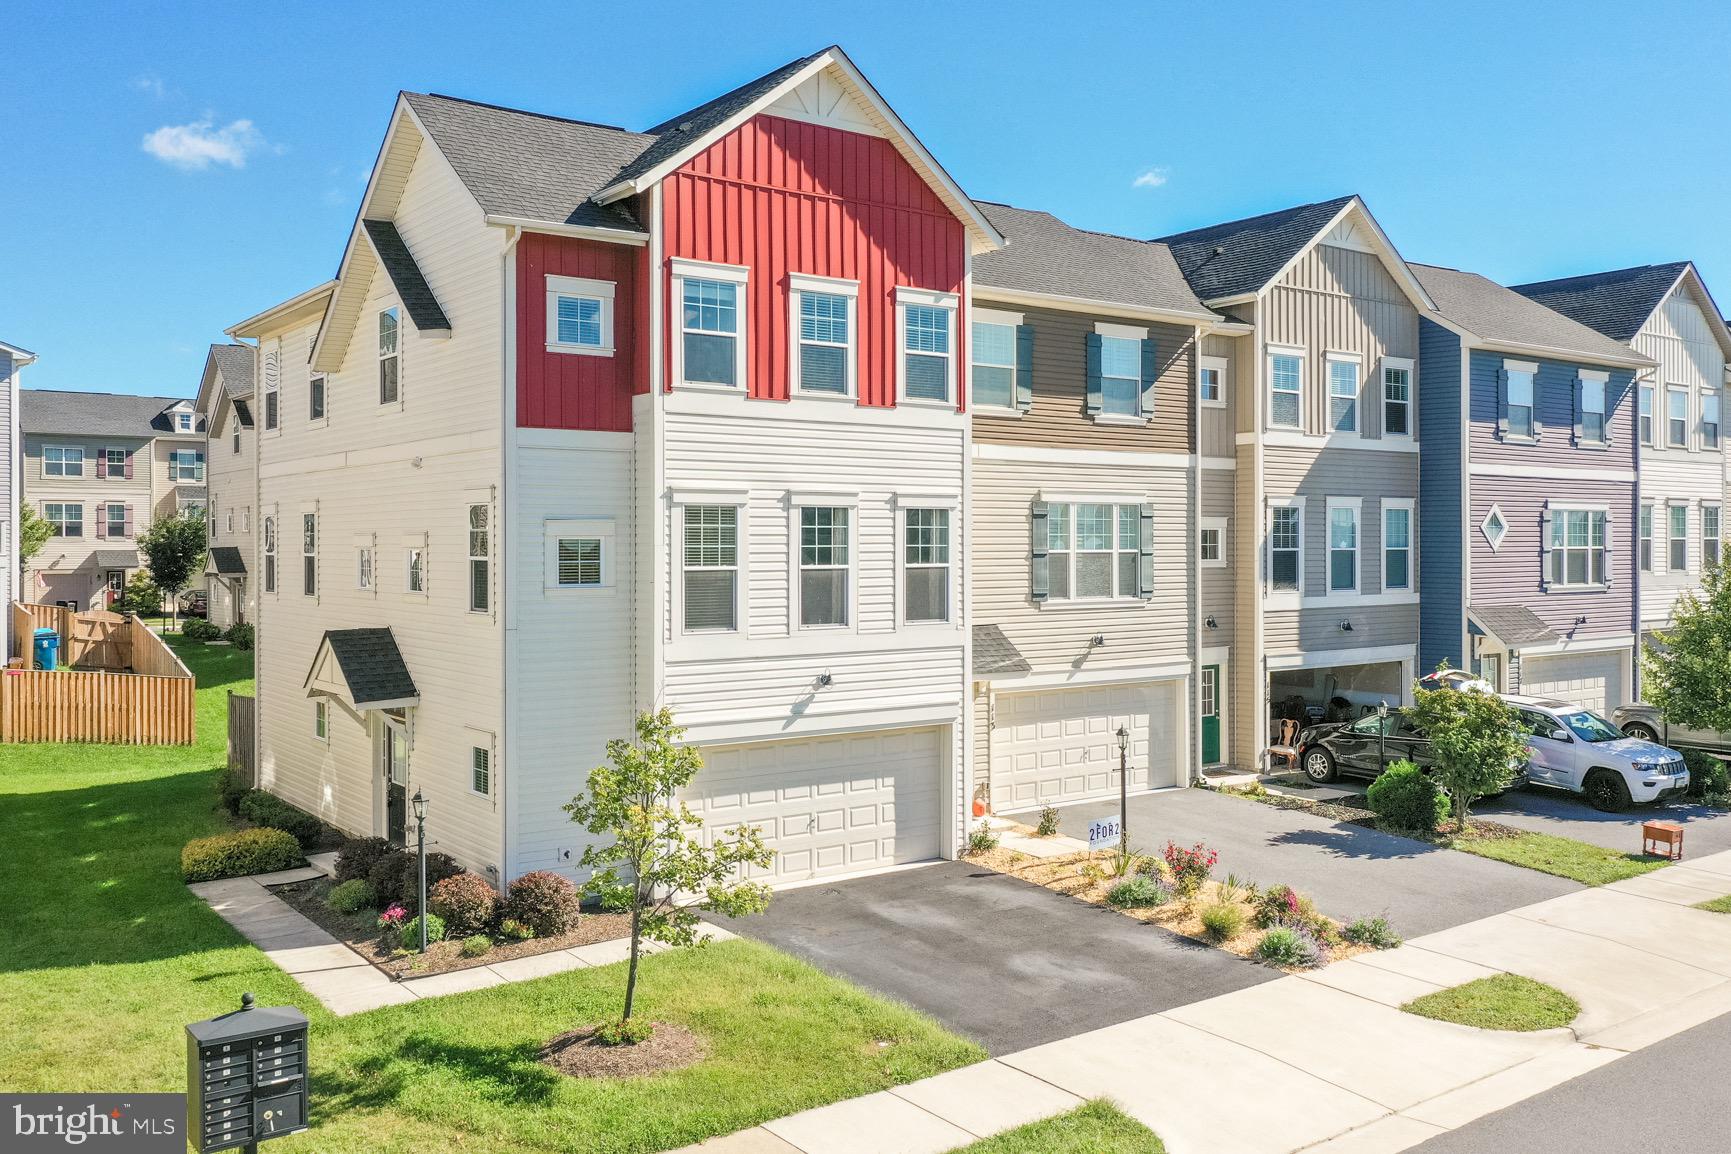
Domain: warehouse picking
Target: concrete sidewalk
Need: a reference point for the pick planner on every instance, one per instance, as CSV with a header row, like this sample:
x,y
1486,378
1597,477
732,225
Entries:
x,y
1326,1061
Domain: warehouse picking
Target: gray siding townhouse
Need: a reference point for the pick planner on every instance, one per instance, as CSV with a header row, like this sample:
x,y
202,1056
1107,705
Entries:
x,y
1084,362
12,363
1323,526
1664,313
1528,500
225,398
100,467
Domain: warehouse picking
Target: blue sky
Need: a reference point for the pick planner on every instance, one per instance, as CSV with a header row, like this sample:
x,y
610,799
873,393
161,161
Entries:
x,y
170,174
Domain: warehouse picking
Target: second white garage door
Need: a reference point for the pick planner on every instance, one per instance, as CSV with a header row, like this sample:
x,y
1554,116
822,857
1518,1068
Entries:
x,y
1590,680
828,806
1060,745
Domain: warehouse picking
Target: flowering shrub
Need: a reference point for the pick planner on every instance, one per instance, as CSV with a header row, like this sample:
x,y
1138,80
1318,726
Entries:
x,y
1286,908
1138,893
1190,867
465,901
1291,949
391,923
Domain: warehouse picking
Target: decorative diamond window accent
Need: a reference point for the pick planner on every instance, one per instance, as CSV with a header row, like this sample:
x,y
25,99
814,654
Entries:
x,y
1494,527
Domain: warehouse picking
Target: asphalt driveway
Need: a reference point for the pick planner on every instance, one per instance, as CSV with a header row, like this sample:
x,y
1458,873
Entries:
x,y
1351,871
1004,962
1705,830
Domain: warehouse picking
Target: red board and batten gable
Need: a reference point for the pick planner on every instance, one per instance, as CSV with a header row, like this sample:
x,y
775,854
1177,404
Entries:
x,y
570,390
784,196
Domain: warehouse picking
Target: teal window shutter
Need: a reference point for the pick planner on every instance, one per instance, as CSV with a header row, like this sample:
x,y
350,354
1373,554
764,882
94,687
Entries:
x,y
1094,393
1039,546
1145,567
1502,403
1150,373
1024,367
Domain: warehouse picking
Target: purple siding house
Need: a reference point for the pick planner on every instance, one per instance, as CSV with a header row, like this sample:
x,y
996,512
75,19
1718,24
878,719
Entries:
x,y
1529,495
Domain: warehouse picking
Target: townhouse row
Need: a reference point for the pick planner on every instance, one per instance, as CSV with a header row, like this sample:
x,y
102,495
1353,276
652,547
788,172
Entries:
x,y
906,504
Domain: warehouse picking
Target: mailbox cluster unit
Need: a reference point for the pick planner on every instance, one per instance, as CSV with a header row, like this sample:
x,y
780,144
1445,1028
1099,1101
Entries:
x,y
246,1076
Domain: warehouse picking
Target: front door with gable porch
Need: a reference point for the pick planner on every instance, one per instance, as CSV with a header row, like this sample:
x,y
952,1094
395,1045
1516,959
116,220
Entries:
x,y
394,768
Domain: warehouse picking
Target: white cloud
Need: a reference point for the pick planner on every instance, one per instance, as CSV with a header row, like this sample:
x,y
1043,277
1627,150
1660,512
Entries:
x,y
150,85
1150,178
200,144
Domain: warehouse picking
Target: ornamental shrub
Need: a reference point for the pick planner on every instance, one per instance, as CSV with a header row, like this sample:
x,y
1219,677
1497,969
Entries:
x,y
272,812
231,787
386,876
543,901
1048,821
1283,906
465,901
1375,932
1291,949
1709,777
515,930
358,856
239,854
198,629
439,867
1190,867
1405,797
1224,921
241,635
1138,893
410,934
983,839
475,945
391,924
351,897
611,899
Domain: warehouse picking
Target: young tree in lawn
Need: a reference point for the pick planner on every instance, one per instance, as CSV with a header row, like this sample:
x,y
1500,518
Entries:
x,y
173,549
33,532
1476,741
1685,673
634,803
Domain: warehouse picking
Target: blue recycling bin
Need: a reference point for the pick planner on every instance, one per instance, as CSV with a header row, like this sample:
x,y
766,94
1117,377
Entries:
x,y
47,649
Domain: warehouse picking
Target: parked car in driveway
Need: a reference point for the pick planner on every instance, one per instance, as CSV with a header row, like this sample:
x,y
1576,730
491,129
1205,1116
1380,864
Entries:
x,y
1454,679
1361,748
1638,719
1577,750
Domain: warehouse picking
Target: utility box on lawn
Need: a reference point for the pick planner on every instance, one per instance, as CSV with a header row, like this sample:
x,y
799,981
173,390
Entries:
x,y
246,1077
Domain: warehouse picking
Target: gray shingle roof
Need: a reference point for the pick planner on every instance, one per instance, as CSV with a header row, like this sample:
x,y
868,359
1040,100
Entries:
x,y
235,366
97,414
1240,256
1513,625
1045,255
1615,303
226,559
1495,313
994,655
114,559
677,132
372,665
416,295
527,165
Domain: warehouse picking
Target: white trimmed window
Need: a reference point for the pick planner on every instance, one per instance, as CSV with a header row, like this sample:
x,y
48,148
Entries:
x,y
1211,382
364,567
1709,534
1646,537
183,422
234,436
825,564
994,360
415,569
1518,402
824,335
480,564
1646,414
579,554
246,519
1677,559
1677,418
321,719
309,554
66,517
114,461
481,770
1396,397
710,350
710,566
270,554
1211,544
579,563
1710,419
926,560
1593,387
1397,536
925,346
390,356
1286,389
1120,373
59,461
116,518
1095,551
228,520
1343,517
1578,547
1495,527
579,316
1343,371
315,402
186,465
1286,548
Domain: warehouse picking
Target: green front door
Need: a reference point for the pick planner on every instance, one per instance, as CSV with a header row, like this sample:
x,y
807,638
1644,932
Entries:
x,y
1210,714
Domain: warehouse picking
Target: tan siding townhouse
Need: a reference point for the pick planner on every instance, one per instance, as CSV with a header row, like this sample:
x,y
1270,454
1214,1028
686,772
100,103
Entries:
x,y
225,403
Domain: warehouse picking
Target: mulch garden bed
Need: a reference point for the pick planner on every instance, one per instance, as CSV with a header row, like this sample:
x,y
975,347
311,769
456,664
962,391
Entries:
x,y
361,934
579,1055
1477,828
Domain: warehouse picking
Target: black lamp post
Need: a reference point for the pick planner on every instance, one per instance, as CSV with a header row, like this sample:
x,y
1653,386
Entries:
x,y
420,805
1123,791
1381,736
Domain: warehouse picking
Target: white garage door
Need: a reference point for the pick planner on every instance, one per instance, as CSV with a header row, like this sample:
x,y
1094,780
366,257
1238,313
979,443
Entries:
x,y
1061,745
1591,680
830,805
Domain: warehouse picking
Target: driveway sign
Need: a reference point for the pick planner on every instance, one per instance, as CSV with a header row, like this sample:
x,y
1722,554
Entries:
x,y
1104,834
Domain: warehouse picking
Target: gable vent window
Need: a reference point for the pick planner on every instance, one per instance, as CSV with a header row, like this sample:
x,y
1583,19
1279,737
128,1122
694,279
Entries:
x,y
390,367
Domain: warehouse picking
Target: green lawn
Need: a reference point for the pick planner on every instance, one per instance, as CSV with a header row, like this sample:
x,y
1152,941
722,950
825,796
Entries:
x,y
1093,1128
106,956
1716,905
1501,1002
1590,865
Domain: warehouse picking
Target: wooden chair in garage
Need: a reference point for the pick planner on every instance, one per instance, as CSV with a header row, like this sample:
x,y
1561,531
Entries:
x,y
1285,747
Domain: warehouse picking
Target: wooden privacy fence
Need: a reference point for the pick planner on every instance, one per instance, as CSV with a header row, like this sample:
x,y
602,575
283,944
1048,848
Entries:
x,y
131,689
240,746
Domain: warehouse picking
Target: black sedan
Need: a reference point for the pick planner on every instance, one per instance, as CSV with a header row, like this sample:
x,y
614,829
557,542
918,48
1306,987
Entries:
x,y
1361,748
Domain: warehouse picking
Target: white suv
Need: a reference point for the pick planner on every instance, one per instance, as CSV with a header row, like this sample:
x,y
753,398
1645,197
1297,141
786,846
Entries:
x,y
1577,750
